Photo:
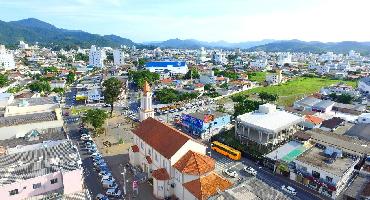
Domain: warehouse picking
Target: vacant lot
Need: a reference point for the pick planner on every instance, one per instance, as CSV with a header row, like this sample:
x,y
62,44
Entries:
x,y
257,76
296,88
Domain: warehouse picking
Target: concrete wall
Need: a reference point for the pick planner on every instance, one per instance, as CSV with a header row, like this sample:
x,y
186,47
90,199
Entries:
x,y
73,181
25,187
15,110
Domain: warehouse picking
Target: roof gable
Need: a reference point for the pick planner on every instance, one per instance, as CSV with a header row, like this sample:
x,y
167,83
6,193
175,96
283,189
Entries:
x,y
164,139
195,164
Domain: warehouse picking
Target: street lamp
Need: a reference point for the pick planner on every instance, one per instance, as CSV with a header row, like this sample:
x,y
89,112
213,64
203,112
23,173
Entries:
x,y
124,180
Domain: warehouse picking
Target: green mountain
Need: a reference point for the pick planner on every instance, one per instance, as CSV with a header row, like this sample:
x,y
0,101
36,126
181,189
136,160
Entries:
x,y
33,30
314,47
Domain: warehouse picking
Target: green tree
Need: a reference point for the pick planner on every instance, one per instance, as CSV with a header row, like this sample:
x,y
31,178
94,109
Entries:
x,y
95,117
208,87
140,76
59,90
40,86
81,56
110,56
245,106
112,89
345,98
71,77
169,95
50,69
192,73
142,62
266,97
3,80
224,85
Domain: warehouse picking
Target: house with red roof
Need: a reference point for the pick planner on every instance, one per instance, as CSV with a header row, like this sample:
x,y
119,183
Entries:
x,y
178,165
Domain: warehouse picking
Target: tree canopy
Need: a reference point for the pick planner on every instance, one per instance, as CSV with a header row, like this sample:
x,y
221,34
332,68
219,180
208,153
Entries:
x,y
267,97
112,89
95,117
71,77
192,73
140,76
168,95
343,98
81,56
3,80
40,86
245,106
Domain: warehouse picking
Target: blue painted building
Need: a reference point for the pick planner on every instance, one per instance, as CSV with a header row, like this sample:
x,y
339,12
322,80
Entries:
x,y
205,124
172,67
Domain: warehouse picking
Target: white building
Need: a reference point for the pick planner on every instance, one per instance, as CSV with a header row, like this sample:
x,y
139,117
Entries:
x,y
266,125
96,57
219,57
57,84
364,118
23,45
274,79
118,57
178,165
260,65
364,85
146,108
6,59
284,58
201,55
164,67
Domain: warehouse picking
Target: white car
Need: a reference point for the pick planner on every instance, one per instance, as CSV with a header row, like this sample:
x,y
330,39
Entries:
x,y
231,173
101,197
250,170
107,178
86,138
288,189
114,192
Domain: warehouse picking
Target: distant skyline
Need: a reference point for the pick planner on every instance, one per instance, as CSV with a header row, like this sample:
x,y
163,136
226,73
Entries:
x,y
206,20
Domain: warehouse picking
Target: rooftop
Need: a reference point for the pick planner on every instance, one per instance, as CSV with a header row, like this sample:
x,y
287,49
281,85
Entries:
x,y
344,142
33,101
161,174
366,80
288,152
27,119
273,121
315,157
163,138
201,115
51,157
207,186
324,104
359,185
361,131
332,123
308,101
195,164
166,64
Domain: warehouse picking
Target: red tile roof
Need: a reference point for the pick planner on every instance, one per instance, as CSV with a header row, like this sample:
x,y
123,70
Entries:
x,y
149,159
161,174
164,139
207,186
195,164
135,148
313,119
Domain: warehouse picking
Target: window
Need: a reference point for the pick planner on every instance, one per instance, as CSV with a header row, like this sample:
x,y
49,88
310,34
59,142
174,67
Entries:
x,y
156,157
13,192
329,179
150,153
53,181
164,163
37,185
142,146
315,174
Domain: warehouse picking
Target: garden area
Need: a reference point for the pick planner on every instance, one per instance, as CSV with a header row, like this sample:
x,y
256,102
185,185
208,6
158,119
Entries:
x,y
295,89
257,76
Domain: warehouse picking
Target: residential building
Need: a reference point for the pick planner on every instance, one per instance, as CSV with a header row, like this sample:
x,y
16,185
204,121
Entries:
x,y
201,55
331,124
42,170
6,59
323,106
5,99
340,89
266,126
326,170
23,45
284,58
171,67
274,79
146,108
96,57
260,65
219,57
118,57
306,103
364,85
178,165
205,124
57,84
364,118
22,116
311,121
208,78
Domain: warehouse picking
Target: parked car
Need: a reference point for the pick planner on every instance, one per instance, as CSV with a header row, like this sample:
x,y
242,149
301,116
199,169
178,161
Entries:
x,y
109,184
250,170
289,190
107,178
114,192
104,173
231,173
101,197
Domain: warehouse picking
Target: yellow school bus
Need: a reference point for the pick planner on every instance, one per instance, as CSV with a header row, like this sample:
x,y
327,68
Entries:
x,y
226,150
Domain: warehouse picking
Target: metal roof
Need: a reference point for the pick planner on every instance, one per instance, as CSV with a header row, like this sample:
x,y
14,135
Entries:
x,y
166,64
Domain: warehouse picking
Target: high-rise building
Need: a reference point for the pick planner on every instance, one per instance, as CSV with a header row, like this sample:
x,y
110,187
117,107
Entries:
x,y
6,59
96,57
146,109
118,57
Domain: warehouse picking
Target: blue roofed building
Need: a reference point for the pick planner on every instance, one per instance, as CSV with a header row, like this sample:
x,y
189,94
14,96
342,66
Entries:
x,y
167,67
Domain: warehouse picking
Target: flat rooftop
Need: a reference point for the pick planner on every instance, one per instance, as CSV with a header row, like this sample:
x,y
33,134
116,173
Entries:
x,y
272,122
346,143
200,115
50,157
315,157
288,152
33,101
27,119
34,138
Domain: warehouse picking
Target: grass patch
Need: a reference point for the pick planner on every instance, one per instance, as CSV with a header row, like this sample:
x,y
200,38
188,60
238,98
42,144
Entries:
x,y
295,89
257,76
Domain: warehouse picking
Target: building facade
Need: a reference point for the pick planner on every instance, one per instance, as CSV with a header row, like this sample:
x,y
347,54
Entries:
x,y
96,57
146,108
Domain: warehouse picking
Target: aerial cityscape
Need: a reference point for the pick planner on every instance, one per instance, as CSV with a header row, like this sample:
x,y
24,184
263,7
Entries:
x,y
184,100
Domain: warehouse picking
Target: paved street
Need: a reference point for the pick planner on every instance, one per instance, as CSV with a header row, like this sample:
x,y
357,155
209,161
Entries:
x,y
275,181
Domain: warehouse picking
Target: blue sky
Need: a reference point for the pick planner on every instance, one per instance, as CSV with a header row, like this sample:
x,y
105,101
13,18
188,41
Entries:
x,y
209,20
